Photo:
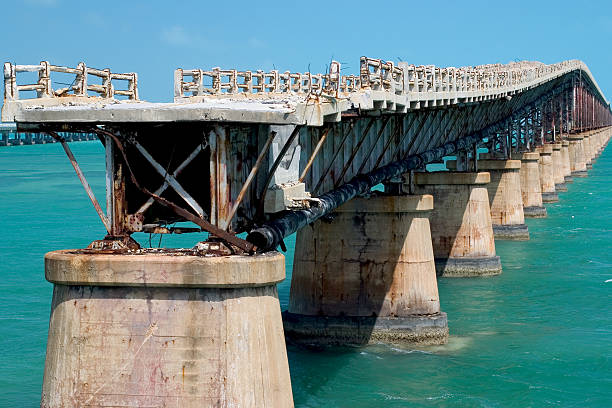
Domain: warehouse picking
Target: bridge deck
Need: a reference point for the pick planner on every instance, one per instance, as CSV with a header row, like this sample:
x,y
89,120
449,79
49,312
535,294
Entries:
x,y
381,87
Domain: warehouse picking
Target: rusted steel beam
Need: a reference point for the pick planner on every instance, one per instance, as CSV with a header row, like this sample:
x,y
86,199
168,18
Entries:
x,y
202,223
169,178
175,174
364,135
331,162
314,154
272,233
250,178
396,132
82,178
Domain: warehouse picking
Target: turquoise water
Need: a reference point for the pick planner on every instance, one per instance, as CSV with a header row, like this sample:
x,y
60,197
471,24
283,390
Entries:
x,y
538,335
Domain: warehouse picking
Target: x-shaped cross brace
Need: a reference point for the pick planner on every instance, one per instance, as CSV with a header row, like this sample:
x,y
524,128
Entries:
x,y
170,179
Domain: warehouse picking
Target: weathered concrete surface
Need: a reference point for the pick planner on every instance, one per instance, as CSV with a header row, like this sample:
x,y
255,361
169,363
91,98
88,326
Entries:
x,y
586,146
461,228
565,159
576,156
374,260
557,160
505,198
70,267
531,190
547,180
132,344
334,330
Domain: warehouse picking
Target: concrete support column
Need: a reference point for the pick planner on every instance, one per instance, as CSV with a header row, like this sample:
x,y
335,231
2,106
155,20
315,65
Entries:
x,y
163,330
461,229
597,138
576,155
547,180
557,160
368,276
586,146
565,160
505,198
531,190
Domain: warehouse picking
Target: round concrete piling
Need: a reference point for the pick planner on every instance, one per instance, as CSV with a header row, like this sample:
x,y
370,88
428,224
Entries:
x,y
165,330
368,276
547,180
531,190
565,160
576,155
557,160
461,229
505,198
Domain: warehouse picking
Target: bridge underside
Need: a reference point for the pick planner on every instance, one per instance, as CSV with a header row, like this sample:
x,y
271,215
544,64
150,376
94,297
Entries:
x,y
235,172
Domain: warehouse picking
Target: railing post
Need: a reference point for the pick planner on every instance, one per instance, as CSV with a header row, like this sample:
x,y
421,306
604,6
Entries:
x,y
44,80
10,82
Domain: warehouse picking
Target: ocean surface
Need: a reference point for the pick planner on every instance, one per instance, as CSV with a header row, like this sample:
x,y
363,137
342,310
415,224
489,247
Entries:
x,y
539,335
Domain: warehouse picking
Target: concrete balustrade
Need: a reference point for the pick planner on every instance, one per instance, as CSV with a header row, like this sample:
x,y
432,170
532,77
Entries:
x,y
547,180
461,229
367,276
163,330
576,156
565,159
557,160
531,190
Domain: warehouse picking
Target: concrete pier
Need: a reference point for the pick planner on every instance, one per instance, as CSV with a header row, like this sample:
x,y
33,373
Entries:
x,y
547,180
164,330
586,146
565,160
461,228
531,190
576,155
505,198
598,143
368,276
558,174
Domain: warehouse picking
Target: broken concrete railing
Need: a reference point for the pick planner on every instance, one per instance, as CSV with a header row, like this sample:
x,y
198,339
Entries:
x,y
492,80
80,86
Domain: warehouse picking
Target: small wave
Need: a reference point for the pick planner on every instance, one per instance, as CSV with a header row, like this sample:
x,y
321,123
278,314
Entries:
x,y
408,351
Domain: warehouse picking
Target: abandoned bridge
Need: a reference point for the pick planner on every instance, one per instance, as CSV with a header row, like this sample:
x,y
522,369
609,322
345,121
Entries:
x,y
252,157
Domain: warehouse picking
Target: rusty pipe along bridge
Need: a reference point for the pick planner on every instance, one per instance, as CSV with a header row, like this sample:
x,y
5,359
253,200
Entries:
x,y
270,152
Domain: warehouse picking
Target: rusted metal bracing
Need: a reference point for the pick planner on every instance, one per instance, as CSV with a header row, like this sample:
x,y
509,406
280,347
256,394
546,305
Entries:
x,y
356,147
169,178
331,162
270,234
83,180
253,159
251,176
181,212
173,176
316,150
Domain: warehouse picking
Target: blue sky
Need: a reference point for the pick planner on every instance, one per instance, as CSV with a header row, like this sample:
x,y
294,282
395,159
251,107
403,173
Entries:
x,y
155,37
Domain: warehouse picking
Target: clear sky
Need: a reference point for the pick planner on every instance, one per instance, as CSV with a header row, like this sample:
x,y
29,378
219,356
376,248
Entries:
x,y
154,37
